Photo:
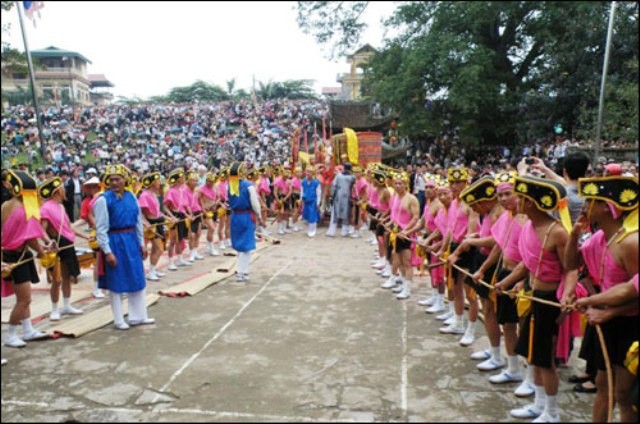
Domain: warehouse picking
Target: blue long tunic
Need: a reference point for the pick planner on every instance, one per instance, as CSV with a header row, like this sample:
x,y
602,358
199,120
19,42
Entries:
x,y
128,275
310,211
243,237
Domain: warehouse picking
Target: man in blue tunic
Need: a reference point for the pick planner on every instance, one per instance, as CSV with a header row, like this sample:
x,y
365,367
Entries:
x,y
245,211
311,195
122,249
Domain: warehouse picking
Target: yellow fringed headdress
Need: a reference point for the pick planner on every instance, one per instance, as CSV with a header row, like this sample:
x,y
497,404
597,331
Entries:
x,y
547,195
235,174
48,187
23,184
481,190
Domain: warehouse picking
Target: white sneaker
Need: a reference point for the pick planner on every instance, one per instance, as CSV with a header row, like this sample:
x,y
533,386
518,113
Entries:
x,y
452,329
34,335
444,316
390,283
430,301
208,250
172,267
54,315
404,294
240,277
215,252
386,272
450,320
222,246
505,377
121,325
398,288
525,389
182,262
490,364
4,361
160,274
70,310
373,242
355,235
198,256
436,307
296,228
97,294
14,341
151,276
481,355
527,411
547,418
147,321
467,339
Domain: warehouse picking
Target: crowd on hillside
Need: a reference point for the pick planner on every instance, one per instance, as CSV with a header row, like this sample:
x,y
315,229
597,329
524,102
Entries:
x,y
164,136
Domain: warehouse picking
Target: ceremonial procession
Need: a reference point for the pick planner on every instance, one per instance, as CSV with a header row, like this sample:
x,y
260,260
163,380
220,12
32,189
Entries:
x,y
267,257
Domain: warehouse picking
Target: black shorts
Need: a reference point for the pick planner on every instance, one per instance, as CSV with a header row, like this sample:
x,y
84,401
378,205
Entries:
x,y
159,227
507,312
402,244
464,261
293,200
619,333
542,320
477,259
380,230
69,258
25,273
180,227
195,224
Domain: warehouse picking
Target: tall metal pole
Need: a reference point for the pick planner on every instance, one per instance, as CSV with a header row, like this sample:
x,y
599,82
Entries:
x,y
33,82
605,68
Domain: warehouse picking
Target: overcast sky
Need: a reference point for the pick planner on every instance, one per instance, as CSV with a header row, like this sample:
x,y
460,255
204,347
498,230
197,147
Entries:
x,y
147,48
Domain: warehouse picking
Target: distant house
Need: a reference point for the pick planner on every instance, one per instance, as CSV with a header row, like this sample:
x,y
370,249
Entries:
x,y
61,78
352,82
331,92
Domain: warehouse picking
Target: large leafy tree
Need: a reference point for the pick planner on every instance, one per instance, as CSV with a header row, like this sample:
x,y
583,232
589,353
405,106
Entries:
x,y
290,89
500,72
200,90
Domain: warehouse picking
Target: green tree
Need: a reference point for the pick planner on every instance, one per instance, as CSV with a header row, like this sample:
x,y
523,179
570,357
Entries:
x,y
200,90
231,84
501,72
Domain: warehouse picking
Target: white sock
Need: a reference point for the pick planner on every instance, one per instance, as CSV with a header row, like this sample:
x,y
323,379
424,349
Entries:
x,y
54,306
95,285
512,364
530,374
12,331
471,327
541,397
452,308
552,405
459,320
26,326
210,244
495,353
171,260
152,269
66,302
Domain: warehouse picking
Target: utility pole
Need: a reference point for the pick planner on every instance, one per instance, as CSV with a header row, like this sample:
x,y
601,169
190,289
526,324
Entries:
x,y
32,79
605,68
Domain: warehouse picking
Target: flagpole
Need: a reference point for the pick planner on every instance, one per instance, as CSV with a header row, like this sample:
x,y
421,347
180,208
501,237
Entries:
x,y
32,80
605,68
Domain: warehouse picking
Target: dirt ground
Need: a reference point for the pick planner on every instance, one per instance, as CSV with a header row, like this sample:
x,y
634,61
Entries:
x,y
311,337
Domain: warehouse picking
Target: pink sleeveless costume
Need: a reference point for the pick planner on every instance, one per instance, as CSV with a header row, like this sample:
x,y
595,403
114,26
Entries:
x,y
437,273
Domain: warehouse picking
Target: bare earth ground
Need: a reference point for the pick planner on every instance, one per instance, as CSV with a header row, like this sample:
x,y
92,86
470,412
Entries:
x,y
311,337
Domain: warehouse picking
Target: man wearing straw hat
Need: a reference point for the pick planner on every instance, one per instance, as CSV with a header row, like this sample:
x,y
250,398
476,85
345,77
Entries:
x,y
245,211
121,239
56,224
21,230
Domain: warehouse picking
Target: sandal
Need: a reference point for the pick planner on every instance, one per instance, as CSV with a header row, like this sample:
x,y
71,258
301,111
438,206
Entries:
x,y
579,388
578,379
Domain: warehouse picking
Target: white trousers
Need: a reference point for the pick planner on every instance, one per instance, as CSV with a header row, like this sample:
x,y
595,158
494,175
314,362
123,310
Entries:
x,y
137,306
243,263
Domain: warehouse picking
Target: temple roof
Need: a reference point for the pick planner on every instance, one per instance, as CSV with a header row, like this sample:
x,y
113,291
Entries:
x,y
53,51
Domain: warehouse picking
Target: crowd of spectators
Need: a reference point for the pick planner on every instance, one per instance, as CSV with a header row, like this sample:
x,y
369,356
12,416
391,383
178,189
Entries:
x,y
164,136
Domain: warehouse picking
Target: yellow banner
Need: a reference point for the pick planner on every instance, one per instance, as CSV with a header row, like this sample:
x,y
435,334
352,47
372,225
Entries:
x,y
352,145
